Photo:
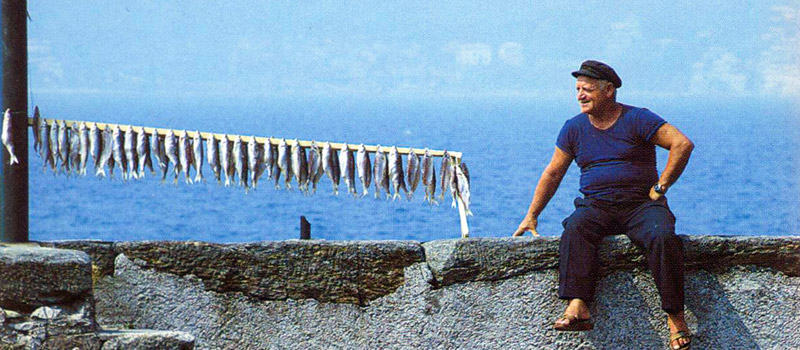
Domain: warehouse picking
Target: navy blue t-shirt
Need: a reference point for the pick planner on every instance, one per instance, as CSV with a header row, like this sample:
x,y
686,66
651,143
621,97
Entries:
x,y
619,163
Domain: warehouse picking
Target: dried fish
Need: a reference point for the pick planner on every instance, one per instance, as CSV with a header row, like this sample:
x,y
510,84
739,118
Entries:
x,y
396,172
8,137
54,151
269,159
106,150
462,182
160,153
119,151
75,149
446,174
314,165
212,147
185,154
225,159
428,173
381,173
347,165
285,163
300,166
197,157
37,129
143,152
63,147
330,165
83,136
254,159
364,167
95,145
240,161
130,153
412,173
171,148
453,181
47,147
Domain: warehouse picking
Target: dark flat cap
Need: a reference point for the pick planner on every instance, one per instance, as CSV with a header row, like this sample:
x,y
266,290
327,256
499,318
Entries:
x,y
598,70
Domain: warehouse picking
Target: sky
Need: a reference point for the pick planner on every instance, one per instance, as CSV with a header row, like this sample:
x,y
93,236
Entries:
x,y
411,49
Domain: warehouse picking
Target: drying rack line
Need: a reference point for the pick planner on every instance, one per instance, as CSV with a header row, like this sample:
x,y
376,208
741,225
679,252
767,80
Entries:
x,y
231,137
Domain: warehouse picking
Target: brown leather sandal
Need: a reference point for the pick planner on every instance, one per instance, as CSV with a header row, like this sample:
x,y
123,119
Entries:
x,y
571,323
680,335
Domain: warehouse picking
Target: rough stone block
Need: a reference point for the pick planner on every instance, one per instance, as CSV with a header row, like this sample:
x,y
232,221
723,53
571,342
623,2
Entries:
x,y
146,340
31,277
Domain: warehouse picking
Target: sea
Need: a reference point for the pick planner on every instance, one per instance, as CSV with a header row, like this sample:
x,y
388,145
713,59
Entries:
x,y
743,177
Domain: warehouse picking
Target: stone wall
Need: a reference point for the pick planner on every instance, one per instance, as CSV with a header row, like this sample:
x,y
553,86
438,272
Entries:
x,y
742,293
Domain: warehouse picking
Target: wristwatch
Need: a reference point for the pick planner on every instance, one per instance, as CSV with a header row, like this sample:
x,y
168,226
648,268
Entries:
x,y
662,190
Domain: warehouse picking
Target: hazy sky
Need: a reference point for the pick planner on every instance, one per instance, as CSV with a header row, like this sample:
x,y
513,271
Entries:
x,y
411,49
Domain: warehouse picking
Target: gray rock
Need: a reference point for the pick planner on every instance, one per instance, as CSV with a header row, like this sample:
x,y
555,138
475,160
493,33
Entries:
x,y
11,314
46,313
146,340
2,316
101,253
31,277
88,341
341,272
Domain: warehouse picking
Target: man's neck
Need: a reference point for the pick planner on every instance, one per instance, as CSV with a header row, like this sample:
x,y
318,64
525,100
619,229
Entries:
x,y
607,116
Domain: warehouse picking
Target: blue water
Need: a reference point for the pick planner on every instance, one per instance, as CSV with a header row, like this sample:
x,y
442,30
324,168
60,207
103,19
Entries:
x,y
743,178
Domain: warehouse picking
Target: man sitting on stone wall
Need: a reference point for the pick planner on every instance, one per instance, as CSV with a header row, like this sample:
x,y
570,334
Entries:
x,y
614,145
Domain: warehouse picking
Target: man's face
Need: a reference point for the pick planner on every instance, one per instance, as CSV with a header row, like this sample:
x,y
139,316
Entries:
x,y
592,95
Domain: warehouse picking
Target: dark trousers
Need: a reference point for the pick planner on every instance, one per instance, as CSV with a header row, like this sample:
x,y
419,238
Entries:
x,y
649,224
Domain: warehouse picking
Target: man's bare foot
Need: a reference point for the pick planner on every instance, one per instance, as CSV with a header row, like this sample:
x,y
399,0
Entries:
x,y
677,323
576,317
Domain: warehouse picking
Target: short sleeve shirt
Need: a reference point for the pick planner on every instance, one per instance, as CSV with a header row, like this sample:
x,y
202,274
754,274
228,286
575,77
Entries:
x,y
619,163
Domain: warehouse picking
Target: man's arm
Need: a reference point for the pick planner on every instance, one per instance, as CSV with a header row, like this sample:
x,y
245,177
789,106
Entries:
x,y
545,189
680,148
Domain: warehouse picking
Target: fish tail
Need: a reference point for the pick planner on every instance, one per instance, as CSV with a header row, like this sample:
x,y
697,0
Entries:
x,y
13,159
366,192
199,177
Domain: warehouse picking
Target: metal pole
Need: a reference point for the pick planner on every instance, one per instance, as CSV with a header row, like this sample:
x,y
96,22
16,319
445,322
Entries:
x,y
14,181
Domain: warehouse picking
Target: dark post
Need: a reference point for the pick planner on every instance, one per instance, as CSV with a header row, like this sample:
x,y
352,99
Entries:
x,y
305,228
14,182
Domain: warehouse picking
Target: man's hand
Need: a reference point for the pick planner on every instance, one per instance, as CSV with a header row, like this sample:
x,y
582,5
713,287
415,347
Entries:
x,y
527,224
655,195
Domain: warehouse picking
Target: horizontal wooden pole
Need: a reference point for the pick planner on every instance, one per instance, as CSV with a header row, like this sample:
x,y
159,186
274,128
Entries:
x,y
272,140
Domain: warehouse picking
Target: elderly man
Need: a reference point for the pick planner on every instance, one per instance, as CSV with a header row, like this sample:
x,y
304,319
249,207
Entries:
x,y
614,145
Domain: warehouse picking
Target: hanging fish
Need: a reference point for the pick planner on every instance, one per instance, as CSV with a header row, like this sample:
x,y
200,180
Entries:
x,y
197,157
364,167
83,136
63,147
412,173
314,166
160,153
380,173
240,161
330,165
54,152
347,164
300,166
225,159
171,149
445,173
285,163
95,145
212,147
143,152
462,183
428,174
396,172
8,137
37,129
185,156
269,159
75,149
254,161
119,151
130,153
45,149
106,148
453,181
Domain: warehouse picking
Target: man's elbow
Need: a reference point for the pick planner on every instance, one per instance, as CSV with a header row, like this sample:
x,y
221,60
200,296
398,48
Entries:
x,y
686,145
